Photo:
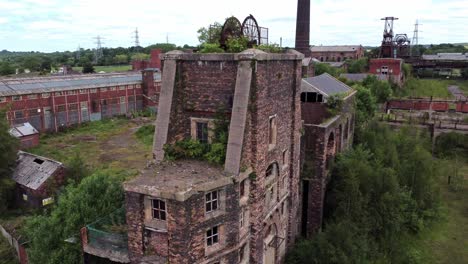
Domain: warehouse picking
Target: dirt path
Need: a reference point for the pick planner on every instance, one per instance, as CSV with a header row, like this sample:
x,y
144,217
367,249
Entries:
x,y
124,150
456,92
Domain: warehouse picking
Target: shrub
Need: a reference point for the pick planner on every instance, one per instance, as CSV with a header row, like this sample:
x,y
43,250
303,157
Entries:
x,y
211,48
216,154
145,134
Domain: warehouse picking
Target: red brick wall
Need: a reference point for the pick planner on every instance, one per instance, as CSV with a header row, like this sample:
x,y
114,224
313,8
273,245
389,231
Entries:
x,y
393,64
29,141
427,104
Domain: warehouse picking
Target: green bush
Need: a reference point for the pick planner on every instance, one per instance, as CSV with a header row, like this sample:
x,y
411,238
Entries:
x,y
236,45
146,134
216,154
211,48
270,48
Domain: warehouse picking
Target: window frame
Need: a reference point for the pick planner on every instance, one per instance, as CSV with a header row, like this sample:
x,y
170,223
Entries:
x,y
204,137
160,209
212,204
212,236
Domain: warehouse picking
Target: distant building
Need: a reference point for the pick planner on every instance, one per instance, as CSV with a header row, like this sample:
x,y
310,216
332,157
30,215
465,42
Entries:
x,y
51,103
27,134
37,179
153,63
359,77
337,53
389,69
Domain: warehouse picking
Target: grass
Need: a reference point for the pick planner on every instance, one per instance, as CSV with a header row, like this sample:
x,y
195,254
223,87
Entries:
x,y
463,84
145,134
109,143
425,88
7,252
112,68
446,241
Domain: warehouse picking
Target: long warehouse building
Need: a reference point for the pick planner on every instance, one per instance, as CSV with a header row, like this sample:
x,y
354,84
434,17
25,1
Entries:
x,y
51,103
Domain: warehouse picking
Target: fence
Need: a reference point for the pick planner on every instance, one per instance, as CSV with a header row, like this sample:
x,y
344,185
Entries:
x,y
19,247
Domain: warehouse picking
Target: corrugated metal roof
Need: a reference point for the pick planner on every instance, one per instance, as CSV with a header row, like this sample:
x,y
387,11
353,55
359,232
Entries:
x,y
32,170
21,130
447,56
345,48
359,77
324,84
72,82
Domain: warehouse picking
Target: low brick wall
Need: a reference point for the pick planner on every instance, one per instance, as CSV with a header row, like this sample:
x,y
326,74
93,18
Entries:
x,y
428,104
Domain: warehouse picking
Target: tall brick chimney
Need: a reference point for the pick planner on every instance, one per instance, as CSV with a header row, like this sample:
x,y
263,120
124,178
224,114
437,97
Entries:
x,y
303,27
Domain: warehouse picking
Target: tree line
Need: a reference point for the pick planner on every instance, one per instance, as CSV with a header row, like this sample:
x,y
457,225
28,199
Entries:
x,y
45,62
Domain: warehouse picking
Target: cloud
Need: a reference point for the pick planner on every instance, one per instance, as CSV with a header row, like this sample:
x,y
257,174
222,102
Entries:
x,y
50,25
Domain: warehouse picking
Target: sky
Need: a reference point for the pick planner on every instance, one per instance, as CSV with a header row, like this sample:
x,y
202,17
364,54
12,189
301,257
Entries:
x,y
59,25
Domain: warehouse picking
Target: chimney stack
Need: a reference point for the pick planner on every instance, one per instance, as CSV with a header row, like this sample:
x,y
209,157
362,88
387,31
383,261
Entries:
x,y
303,27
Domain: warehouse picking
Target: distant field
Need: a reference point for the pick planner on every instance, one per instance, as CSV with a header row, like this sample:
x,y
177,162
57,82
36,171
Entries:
x,y
447,240
115,68
425,88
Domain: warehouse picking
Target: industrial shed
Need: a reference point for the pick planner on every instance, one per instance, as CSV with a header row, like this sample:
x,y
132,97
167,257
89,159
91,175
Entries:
x,y
37,179
26,133
51,103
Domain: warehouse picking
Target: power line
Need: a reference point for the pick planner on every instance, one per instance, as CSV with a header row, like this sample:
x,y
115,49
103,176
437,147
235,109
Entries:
x,y
137,38
98,53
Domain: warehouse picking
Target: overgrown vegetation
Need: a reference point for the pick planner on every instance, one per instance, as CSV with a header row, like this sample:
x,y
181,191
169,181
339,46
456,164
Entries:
x,y
321,68
96,196
215,152
146,134
7,252
381,191
358,66
424,88
8,148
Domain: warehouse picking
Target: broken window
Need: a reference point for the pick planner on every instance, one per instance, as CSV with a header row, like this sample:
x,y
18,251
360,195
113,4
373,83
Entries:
x,y
311,97
19,114
211,200
71,92
242,253
272,131
242,188
242,218
38,161
16,97
2,99
212,236
384,70
272,170
32,96
202,132
159,209
45,95
285,158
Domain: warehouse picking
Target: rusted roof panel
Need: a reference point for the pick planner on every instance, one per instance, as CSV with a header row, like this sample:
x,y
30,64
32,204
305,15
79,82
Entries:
x,y
32,171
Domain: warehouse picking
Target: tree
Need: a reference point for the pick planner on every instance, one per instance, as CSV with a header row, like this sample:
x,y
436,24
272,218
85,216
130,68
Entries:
x,y
321,68
358,66
88,68
211,34
95,197
8,149
140,56
120,59
464,73
6,68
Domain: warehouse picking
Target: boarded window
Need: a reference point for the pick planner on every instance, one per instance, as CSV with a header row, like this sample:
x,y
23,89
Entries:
x,y
212,236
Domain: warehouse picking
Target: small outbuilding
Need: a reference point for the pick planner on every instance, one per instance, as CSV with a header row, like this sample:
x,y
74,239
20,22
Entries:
x,y
37,179
27,134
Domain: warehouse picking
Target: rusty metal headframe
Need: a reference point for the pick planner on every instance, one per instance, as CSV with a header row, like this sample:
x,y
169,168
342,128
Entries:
x,y
249,29
232,28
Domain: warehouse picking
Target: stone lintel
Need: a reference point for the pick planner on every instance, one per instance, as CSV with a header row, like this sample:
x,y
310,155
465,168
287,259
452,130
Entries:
x,y
249,54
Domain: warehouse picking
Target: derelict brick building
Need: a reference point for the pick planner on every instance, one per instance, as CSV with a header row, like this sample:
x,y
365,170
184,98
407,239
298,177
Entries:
x,y
246,212
50,103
